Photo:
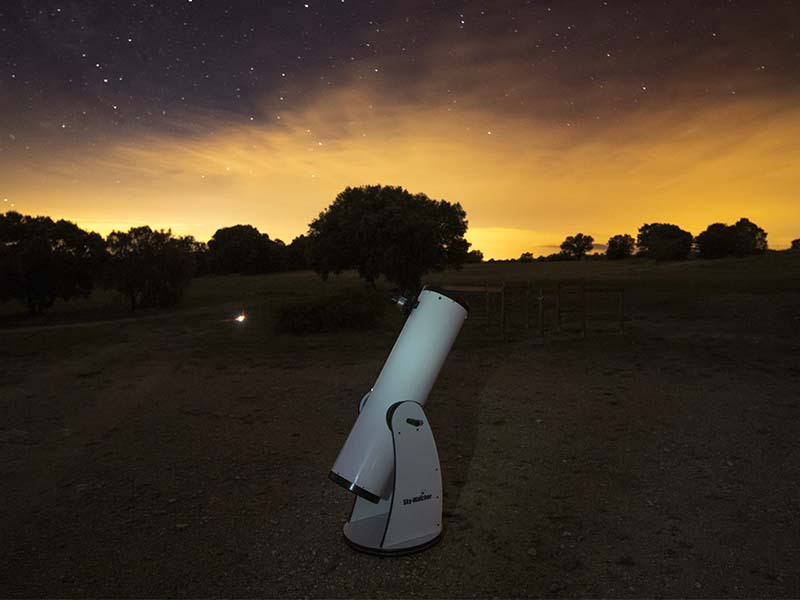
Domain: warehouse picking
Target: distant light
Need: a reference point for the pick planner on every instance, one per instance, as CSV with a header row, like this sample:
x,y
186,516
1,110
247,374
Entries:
x,y
240,318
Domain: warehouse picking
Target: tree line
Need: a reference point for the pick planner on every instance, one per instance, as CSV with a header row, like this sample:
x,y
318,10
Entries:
x,y
42,260
382,231
668,242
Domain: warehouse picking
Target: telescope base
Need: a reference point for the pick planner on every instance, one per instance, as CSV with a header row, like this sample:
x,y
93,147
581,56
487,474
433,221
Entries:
x,y
410,518
365,535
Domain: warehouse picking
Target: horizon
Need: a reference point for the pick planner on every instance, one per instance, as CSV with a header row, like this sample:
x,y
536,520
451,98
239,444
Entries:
x,y
542,121
599,247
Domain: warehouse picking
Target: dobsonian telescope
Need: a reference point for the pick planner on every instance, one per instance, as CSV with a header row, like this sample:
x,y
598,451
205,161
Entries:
x,y
389,460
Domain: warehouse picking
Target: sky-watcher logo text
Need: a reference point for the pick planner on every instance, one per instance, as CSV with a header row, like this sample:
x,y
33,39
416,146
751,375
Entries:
x,y
421,498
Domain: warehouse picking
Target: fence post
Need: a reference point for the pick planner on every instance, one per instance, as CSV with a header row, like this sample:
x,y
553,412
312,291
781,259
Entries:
x,y
622,310
541,313
486,288
583,311
528,305
558,307
502,308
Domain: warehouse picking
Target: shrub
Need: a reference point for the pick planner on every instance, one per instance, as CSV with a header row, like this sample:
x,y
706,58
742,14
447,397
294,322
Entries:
x,y
330,314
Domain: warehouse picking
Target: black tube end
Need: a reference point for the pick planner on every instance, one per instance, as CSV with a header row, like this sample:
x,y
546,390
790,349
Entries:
x,y
351,487
448,294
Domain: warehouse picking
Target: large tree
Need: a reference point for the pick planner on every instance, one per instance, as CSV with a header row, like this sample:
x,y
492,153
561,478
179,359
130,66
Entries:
x,y
576,246
42,259
244,249
795,244
620,246
385,230
151,268
742,239
664,241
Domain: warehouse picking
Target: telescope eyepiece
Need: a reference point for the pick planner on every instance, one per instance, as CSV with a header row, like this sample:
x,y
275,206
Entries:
x,y
406,301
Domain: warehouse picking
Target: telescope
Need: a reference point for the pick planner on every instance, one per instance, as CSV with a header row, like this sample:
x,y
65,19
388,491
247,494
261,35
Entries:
x,y
389,460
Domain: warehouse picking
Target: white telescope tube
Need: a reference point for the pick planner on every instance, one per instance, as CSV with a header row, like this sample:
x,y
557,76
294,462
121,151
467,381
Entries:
x,y
366,461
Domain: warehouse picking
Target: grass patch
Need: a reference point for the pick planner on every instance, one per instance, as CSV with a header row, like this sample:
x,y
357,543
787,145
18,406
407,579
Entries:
x,y
645,282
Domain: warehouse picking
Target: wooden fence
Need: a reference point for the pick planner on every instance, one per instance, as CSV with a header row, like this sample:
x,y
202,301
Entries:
x,y
568,302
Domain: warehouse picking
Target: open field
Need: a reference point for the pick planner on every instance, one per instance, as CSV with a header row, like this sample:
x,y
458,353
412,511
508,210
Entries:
x,y
181,454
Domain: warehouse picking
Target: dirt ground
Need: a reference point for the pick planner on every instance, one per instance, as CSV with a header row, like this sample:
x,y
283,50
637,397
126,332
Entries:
x,y
188,457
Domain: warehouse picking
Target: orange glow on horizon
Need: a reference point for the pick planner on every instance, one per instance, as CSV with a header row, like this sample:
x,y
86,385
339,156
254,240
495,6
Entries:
x,y
525,186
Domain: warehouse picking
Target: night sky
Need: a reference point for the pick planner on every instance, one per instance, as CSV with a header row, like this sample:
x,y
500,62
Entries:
x,y
542,118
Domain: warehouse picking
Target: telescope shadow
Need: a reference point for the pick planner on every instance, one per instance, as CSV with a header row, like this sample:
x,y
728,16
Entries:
x,y
454,409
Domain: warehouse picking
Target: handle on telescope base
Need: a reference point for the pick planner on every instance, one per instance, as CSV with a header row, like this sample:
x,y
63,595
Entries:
x,y
363,401
410,518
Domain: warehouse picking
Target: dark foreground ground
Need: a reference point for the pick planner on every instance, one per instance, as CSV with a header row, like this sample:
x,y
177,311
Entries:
x,y
183,456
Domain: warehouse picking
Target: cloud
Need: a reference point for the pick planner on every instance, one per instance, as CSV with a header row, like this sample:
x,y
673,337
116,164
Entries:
x,y
526,179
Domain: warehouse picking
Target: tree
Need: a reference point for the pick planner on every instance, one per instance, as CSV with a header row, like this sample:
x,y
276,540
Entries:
x,y
742,239
385,230
41,260
664,241
298,253
278,255
474,257
151,268
716,241
619,247
576,246
796,244
244,249
199,252
749,238
526,257
554,257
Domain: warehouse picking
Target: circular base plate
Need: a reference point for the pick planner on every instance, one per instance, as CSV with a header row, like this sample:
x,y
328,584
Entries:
x,y
377,551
